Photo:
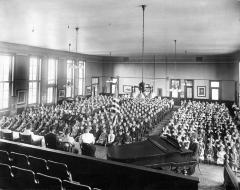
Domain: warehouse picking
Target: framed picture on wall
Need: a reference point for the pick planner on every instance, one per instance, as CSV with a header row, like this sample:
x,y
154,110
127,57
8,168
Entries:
x,y
88,90
61,94
127,88
21,96
201,91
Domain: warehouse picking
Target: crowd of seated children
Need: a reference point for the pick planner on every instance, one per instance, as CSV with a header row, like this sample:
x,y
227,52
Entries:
x,y
236,114
132,123
218,136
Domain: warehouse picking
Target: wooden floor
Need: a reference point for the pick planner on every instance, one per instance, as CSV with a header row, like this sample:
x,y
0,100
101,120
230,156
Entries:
x,y
210,176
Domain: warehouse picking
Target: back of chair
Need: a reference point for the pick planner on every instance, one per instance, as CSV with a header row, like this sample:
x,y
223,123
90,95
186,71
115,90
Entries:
x,y
38,165
67,185
4,157
24,178
66,146
7,135
25,138
19,160
5,175
58,169
48,182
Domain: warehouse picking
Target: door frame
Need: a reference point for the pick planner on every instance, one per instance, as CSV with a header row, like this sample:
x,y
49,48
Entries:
x,y
186,87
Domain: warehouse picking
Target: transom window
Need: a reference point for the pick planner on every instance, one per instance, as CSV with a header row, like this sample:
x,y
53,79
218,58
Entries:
x,y
215,84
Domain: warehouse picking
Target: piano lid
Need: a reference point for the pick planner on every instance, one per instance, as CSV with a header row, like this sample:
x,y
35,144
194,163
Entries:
x,y
152,147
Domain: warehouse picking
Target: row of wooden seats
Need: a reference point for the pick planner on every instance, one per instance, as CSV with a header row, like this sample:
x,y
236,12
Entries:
x,y
57,172
14,177
8,135
27,139
36,164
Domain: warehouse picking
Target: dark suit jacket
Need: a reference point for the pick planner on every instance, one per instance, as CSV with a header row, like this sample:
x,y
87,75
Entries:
x,y
194,146
51,140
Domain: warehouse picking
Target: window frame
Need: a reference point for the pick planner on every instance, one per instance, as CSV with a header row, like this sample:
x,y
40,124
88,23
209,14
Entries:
x,y
9,81
218,88
36,80
70,79
171,87
81,80
189,87
52,84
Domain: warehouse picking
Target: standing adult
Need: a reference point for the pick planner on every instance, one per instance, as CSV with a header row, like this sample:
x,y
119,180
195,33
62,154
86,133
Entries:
x,y
194,146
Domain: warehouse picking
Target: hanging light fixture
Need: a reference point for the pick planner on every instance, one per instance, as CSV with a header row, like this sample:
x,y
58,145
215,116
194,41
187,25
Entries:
x,y
77,28
141,84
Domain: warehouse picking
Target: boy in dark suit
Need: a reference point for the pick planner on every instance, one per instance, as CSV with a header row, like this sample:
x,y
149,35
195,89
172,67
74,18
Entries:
x,y
51,139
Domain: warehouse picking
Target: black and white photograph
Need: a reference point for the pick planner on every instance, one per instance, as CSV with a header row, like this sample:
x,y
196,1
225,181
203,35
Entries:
x,y
120,95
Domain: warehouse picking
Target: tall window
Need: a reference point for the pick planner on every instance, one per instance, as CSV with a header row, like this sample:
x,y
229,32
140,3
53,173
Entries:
x,y
70,78
5,69
34,80
52,80
52,71
215,90
50,95
175,88
81,78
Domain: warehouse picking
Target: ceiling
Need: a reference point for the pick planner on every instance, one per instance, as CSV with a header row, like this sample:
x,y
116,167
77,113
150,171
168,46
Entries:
x,y
200,27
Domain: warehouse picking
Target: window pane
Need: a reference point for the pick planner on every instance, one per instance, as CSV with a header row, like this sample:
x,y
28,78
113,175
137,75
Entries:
x,y
69,71
32,93
33,68
215,94
189,83
5,62
81,77
175,84
5,66
52,71
69,91
50,95
215,84
113,88
4,95
175,93
189,93
80,87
